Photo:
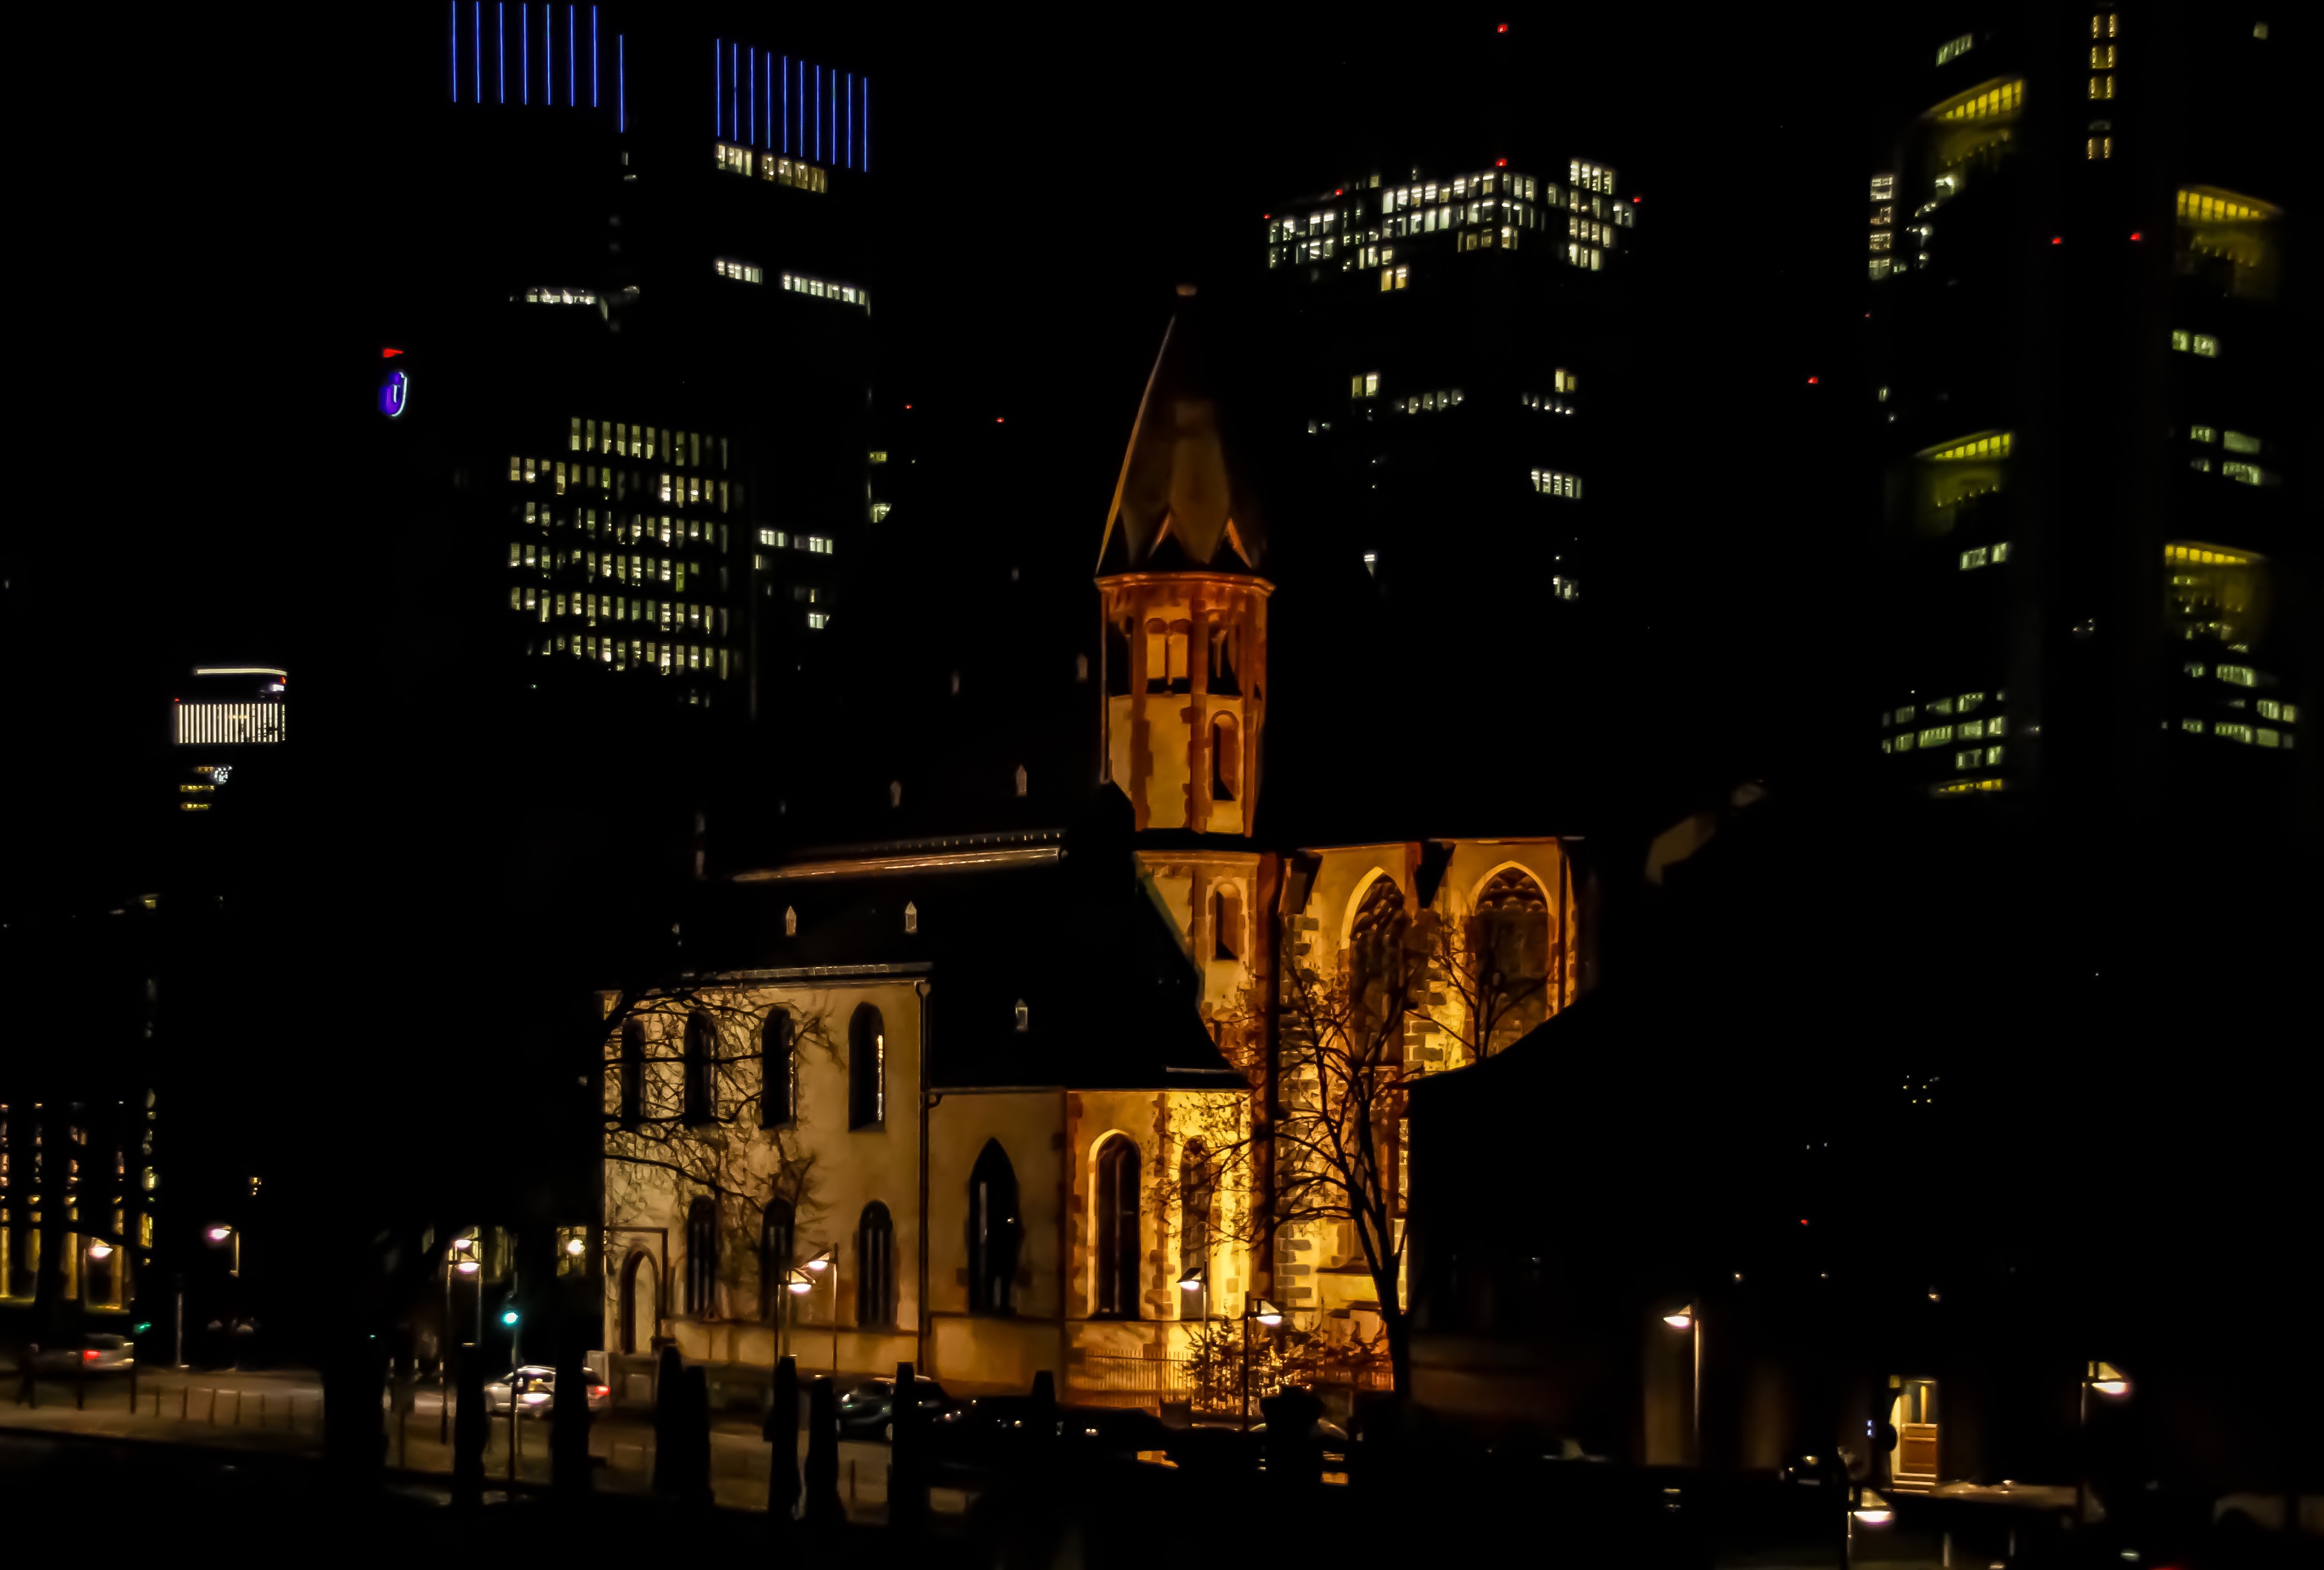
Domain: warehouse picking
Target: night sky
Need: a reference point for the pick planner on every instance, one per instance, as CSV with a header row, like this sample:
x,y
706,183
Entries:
x,y
221,201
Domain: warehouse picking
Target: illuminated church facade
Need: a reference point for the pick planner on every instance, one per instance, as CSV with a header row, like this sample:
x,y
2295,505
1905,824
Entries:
x,y
1007,1102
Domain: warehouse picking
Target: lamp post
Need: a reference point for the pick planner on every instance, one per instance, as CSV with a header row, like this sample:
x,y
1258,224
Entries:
x,y
802,1284
2107,1380
458,1260
1686,1320
1264,1313
229,1235
1197,1279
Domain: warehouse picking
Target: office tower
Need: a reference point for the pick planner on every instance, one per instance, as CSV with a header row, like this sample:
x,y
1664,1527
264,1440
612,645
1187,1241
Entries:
x,y
629,372
1456,339
2099,587
219,721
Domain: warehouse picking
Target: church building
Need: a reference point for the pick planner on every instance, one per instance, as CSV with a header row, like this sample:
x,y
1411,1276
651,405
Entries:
x,y
1004,1095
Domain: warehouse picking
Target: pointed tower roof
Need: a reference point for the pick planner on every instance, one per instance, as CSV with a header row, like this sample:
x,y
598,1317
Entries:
x,y
1180,504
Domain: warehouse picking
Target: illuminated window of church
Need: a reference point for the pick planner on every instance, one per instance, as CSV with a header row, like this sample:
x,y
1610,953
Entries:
x,y
1226,758
1512,955
701,1067
1222,660
867,1069
632,1073
778,1071
875,1267
1226,922
1197,1192
994,1232
1116,1265
778,1229
702,1258
1376,958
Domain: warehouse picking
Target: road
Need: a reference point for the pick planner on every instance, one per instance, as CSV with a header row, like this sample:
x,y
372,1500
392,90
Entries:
x,y
281,1411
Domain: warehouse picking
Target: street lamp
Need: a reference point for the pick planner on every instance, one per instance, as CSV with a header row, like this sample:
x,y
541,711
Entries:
x,y
1197,1279
1688,1321
2107,1380
1260,1310
219,1234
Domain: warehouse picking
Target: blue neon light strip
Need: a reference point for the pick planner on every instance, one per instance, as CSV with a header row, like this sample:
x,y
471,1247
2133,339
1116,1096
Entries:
x,y
754,96
867,125
572,100
717,86
735,89
476,37
850,119
621,81
787,104
524,53
818,113
455,51
592,57
500,45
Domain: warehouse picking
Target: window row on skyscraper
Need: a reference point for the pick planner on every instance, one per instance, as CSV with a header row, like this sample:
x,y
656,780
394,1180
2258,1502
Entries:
x,y
616,567
682,449
794,172
559,297
625,528
823,289
740,271
679,490
1552,483
642,654
668,615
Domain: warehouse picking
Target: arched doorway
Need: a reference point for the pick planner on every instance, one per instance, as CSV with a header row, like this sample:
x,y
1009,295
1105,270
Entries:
x,y
639,1309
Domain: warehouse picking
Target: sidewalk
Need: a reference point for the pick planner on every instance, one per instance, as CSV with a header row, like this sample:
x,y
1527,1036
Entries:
x,y
281,1413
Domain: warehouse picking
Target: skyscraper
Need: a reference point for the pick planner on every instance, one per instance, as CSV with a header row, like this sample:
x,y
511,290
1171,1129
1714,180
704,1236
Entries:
x,y
1455,341
2098,590
632,375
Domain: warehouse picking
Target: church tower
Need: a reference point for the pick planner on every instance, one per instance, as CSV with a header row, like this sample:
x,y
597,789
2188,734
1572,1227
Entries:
x,y
1186,671
1185,612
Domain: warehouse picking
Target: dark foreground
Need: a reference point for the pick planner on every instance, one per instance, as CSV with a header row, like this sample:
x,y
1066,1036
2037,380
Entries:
x,y
100,1499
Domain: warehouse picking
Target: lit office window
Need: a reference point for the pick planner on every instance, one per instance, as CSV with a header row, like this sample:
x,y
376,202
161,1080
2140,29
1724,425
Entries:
x,y
816,544
823,289
1565,588
2247,474
1953,49
2237,441
2098,148
1552,483
817,620
1936,735
774,537
2234,731
735,160
880,511
2101,57
2106,25
741,271
2102,87
2238,675
559,297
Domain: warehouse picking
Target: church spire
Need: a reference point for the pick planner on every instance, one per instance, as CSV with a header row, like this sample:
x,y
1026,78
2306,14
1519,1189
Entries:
x,y
1185,608
1179,501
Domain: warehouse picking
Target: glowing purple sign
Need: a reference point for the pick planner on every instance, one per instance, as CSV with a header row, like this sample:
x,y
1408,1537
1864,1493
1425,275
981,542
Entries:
x,y
393,393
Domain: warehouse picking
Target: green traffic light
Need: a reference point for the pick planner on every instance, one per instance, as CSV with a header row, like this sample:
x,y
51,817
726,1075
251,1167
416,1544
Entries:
x,y
508,1316
143,1325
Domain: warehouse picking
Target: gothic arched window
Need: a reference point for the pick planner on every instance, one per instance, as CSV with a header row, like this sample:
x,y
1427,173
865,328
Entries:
x,y
867,1069
875,1267
1376,956
778,1071
994,1232
702,1258
777,1231
1116,1264
701,1090
1512,949
634,1073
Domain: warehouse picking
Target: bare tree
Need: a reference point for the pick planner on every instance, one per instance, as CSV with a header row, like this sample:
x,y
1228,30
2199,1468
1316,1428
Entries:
x,y
1409,996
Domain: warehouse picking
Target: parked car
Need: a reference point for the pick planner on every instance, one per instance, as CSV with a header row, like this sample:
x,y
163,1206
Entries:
x,y
868,1410
99,1352
534,1387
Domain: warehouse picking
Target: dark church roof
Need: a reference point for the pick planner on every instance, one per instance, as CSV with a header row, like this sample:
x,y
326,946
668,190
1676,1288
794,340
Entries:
x,y
1181,502
1058,921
